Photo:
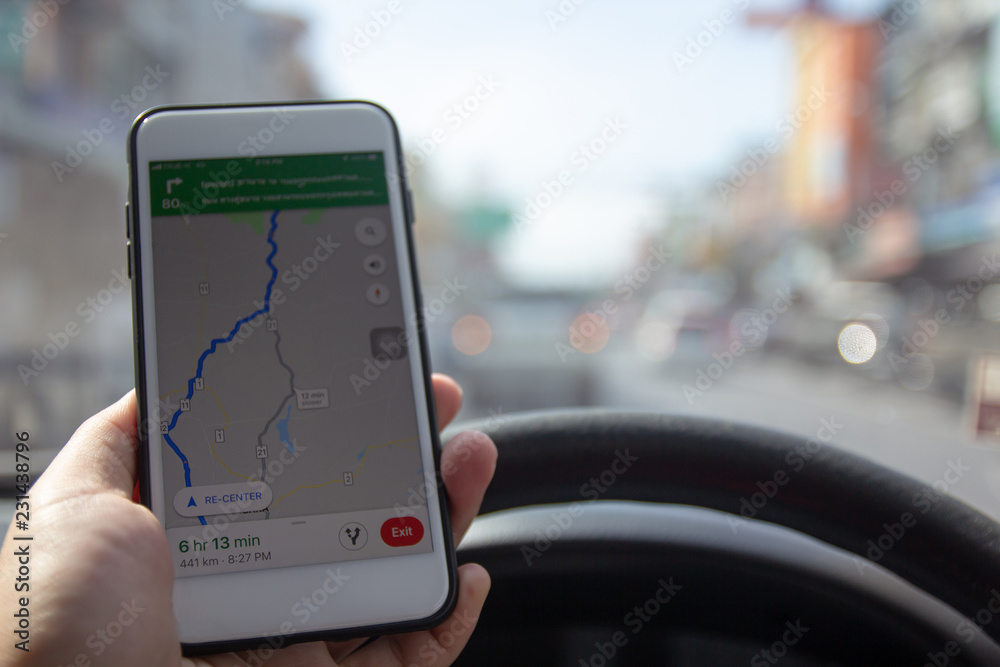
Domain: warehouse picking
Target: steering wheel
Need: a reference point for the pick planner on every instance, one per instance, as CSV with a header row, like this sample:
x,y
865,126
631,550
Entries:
x,y
618,538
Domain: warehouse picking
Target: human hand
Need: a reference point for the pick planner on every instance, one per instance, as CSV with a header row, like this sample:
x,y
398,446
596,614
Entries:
x,y
102,576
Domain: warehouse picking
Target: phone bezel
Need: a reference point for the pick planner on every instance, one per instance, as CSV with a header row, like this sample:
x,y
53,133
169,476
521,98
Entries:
x,y
212,131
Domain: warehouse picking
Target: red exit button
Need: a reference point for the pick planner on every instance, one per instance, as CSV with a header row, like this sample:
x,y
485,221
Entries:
x,y
403,531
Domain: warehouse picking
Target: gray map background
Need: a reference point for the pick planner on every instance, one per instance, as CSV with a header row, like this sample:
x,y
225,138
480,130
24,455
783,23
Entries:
x,y
324,325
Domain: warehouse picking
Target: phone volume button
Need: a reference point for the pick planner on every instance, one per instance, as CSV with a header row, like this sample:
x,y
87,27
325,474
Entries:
x,y
409,206
128,228
128,258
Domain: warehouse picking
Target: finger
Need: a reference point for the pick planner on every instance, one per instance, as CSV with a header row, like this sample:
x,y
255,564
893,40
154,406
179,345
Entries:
x,y
340,650
447,398
99,457
468,462
440,645
313,654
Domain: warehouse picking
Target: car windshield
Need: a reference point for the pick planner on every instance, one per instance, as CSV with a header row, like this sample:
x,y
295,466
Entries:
x,y
784,213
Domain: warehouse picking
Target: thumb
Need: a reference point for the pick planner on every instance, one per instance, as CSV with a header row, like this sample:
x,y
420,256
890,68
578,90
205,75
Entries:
x,y
100,457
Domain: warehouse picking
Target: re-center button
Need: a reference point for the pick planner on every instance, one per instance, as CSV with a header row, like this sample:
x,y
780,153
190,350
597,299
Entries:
x,y
222,499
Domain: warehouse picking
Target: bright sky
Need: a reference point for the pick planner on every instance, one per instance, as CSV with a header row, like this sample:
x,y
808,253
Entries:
x,y
557,87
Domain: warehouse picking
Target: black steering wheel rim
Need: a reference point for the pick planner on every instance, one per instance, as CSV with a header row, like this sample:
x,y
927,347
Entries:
x,y
938,543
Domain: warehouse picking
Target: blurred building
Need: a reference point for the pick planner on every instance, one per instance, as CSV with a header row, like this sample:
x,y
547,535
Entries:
x,y
787,196
937,80
827,131
72,78
888,153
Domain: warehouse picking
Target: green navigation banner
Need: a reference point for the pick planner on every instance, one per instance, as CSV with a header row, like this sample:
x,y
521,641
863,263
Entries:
x,y
192,187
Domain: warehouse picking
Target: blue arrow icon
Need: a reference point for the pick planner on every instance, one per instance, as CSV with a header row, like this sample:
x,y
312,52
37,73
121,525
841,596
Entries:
x,y
192,503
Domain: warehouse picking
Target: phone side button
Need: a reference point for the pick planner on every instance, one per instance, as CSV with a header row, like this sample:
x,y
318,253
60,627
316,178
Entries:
x,y
128,258
409,207
128,228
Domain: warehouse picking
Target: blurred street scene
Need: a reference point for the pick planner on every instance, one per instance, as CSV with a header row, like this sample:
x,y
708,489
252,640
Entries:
x,y
836,257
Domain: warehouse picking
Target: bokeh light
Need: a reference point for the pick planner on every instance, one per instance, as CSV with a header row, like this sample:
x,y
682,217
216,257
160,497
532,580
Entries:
x,y
857,343
749,327
879,327
589,333
656,340
471,335
917,372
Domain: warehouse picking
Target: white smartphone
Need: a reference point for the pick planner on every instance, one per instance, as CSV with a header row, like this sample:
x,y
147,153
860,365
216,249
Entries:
x,y
288,438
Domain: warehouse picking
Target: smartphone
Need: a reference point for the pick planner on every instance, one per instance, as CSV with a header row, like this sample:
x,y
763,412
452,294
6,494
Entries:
x,y
288,438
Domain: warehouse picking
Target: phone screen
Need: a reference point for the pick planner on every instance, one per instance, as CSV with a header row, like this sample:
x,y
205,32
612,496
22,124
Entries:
x,y
285,388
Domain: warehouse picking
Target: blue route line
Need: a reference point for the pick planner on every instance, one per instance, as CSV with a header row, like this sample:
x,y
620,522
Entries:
x,y
222,341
